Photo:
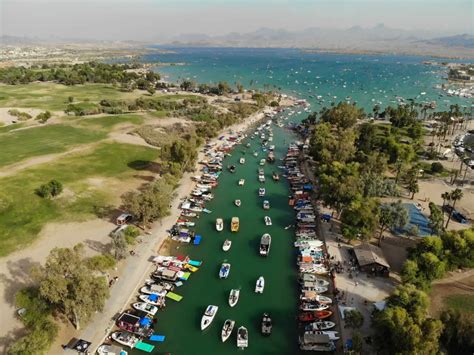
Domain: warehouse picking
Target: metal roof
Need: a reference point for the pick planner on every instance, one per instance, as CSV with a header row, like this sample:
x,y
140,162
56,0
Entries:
x,y
370,254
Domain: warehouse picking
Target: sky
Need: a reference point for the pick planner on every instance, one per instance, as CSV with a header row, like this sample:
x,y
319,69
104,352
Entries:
x,y
149,20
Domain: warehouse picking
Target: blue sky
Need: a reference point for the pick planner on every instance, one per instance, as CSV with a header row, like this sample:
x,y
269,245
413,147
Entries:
x,y
157,19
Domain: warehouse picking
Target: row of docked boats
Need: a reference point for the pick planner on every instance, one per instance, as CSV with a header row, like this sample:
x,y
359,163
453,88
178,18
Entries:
x,y
315,306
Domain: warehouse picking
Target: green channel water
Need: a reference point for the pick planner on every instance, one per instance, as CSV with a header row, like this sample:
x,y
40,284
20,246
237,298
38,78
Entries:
x,y
180,322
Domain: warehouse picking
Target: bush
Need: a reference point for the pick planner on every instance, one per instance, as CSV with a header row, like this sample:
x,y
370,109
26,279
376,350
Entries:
x,y
43,116
130,234
22,116
50,190
437,168
102,262
353,319
274,103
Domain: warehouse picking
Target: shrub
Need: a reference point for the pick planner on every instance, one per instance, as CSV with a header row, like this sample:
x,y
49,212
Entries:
x,y
43,116
437,168
50,190
130,233
102,262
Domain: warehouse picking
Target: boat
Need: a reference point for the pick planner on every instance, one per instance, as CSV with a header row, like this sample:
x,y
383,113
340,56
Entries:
x,y
242,338
312,316
145,307
262,162
275,177
266,324
125,339
265,243
238,203
227,244
234,297
153,299
260,285
313,306
107,349
242,161
261,191
231,168
241,182
320,325
219,224
235,224
317,342
224,270
261,178
333,335
255,154
227,329
268,221
208,316
266,205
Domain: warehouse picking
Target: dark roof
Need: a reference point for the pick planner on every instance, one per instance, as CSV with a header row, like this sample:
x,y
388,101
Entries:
x,y
368,254
129,318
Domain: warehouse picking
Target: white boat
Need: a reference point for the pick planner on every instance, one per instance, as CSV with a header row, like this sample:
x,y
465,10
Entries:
x,y
255,154
208,316
266,205
260,285
106,349
125,338
241,182
227,244
238,203
151,299
242,161
261,178
235,224
145,307
262,162
268,221
321,325
333,335
242,338
219,224
224,270
261,191
265,243
234,297
227,329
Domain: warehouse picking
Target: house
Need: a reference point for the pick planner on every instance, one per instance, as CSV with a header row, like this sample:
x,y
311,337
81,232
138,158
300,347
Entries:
x,y
371,259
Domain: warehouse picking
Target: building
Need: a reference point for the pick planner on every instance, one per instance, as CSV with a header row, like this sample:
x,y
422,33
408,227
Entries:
x,y
371,259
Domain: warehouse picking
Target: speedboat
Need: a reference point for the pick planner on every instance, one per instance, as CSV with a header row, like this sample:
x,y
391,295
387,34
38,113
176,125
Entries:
x,y
234,224
242,338
224,270
219,224
242,161
153,299
261,191
261,178
310,306
312,316
145,307
227,329
227,244
260,285
333,335
275,177
266,205
238,203
255,154
231,168
208,316
234,297
320,325
268,221
266,324
125,338
262,162
241,182
265,243
106,349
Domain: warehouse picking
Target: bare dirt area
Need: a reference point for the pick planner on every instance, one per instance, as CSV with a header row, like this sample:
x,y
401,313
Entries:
x,y
457,283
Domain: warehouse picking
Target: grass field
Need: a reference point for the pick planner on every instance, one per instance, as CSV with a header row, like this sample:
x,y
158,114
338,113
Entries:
x,y
108,122
461,302
23,213
32,142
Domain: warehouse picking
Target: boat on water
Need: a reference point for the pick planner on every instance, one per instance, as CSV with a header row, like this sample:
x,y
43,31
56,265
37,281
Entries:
x,y
224,270
238,203
234,297
227,329
227,244
268,221
313,306
242,338
261,171
265,244
242,160
317,342
107,349
275,177
241,182
145,307
261,178
260,285
208,316
320,325
312,316
231,168
261,191
153,299
255,154
234,224
333,335
266,205
125,339
219,224
262,162
266,324
313,278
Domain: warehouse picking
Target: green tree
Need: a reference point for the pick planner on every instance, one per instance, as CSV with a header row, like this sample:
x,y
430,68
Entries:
x,y
343,115
101,262
119,246
457,337
67,284
436,219
392,216
353,319
413,300
455,196
360,219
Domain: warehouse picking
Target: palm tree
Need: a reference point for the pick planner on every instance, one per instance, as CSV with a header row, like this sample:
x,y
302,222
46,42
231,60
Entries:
x,y
446,196
413,187
455,196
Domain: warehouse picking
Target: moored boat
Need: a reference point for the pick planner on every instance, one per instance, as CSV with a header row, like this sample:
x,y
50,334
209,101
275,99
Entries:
x,y
125,339
219,224
106,349
242,338
333,335
312,316
266,324
234,297
320,325
242,160
145,307
260,285
227,329
235,224
238,203
266,205
227,244
224,270
268,221
275,177
153,299
261,192
208,316
265,244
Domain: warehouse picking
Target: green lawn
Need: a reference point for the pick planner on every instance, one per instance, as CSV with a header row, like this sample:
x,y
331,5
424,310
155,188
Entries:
x,y
23,213
27,143
108,122
461,302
